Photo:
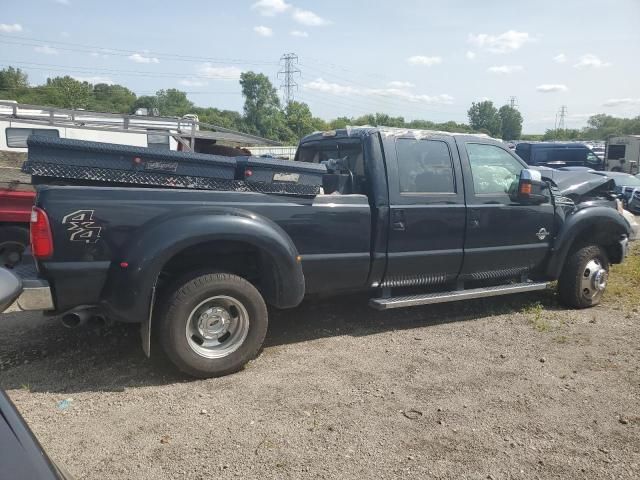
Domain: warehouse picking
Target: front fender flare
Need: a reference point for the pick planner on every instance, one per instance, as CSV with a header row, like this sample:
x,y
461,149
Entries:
x,y
129,290
607,221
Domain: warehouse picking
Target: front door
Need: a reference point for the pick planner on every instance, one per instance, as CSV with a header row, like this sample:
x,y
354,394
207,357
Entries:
x,y
427,211
503,239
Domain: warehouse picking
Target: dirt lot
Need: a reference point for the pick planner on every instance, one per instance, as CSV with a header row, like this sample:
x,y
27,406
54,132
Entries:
x,y
499,388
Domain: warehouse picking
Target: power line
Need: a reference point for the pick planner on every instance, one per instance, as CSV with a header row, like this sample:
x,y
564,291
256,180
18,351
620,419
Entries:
x,y
289,62
34,42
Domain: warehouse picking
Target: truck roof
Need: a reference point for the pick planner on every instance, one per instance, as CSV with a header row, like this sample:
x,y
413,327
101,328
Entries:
x,y
365,130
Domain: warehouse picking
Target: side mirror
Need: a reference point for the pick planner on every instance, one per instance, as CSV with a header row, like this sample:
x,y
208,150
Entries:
x,y
530,188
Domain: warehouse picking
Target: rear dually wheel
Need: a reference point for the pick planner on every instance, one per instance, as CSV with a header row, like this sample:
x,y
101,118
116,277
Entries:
x,y
212,324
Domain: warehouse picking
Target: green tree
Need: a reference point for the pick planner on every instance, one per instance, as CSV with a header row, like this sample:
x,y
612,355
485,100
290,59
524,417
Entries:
x,y
511,123
483,116
173,102
68,92
12,79
299,118
262,113
112,98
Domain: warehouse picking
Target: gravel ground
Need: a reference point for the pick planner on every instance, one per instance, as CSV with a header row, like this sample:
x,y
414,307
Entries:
x,y
512,387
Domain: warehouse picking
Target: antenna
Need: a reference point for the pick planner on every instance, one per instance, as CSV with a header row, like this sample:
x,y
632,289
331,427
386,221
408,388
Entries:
x,y
513,102
289,62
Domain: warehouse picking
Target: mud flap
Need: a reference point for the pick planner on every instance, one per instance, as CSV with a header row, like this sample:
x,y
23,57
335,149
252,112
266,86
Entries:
x,y
145,327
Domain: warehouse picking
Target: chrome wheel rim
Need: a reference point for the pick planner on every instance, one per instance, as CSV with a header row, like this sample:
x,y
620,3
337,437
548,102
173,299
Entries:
x,y
594,279
217,326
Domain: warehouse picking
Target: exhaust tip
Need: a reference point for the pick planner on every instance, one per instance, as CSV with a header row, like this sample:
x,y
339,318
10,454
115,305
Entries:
x,y
73,319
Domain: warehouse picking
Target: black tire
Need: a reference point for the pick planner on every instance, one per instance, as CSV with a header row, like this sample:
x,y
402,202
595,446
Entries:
x,y
180,311
13,240
570,284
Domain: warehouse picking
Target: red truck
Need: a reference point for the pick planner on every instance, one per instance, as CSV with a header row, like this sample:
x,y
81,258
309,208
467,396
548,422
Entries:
x,y
15,213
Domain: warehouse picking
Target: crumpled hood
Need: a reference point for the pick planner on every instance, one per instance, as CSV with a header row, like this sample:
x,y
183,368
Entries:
x,y
578,183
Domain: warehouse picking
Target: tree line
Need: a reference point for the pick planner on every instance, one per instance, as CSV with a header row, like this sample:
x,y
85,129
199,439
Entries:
x,y
264,115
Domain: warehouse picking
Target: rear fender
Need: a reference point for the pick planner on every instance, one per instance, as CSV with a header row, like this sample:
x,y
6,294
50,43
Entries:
x,y
132,279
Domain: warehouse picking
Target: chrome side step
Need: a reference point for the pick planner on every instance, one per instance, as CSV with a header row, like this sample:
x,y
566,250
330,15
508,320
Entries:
x,y
454,296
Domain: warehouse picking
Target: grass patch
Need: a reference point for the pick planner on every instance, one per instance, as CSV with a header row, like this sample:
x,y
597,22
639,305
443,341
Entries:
x,y
535,311
624,281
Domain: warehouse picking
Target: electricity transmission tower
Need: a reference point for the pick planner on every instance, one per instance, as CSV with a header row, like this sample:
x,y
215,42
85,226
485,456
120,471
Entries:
x,y
513,102
289,62
561,117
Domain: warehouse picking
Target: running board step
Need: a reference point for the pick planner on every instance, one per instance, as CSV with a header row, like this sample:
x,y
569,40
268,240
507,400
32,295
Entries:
x,y
454,296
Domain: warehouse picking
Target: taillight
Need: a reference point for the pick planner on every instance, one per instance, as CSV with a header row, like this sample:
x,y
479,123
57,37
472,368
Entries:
x,y
41,239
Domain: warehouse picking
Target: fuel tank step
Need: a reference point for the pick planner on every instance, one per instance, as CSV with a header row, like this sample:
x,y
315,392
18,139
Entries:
x,y
454,296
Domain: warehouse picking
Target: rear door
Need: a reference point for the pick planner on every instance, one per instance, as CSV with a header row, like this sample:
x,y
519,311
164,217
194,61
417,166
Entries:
x,y
503,238
427,211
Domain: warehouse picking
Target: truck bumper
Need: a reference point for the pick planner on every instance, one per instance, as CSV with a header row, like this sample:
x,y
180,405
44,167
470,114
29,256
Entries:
x,y
21,290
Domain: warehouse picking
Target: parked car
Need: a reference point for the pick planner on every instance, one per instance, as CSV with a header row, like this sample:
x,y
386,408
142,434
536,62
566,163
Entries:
x,y
21,455
412,217
556,155
628,186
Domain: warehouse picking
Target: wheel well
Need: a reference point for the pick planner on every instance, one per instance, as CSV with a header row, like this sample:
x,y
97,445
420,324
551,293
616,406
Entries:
x,y
239,258
607,238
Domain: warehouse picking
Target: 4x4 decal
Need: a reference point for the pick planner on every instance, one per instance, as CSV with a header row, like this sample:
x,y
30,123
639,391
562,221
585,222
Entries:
x,y
82,227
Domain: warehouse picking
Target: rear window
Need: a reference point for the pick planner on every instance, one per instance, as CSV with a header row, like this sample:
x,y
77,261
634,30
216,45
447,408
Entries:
x,y
159,141
561,155
424,166
616,152
17,137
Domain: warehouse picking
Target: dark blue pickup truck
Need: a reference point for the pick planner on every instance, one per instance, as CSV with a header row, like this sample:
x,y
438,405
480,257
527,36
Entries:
x,y
414,217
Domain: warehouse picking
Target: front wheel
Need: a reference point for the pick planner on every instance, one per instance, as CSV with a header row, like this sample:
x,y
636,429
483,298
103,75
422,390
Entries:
x,y
584,277
212,324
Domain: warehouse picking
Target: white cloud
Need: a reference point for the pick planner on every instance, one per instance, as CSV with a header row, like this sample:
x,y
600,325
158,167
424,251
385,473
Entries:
x,y
46,49
422,60
550,88
139,58
323,86
270,8
63,2
10,28
619,102
400,84
219,73
591,61
94,80
309,18
505,69
470,55
263,31
506,42
192,83
560,58
299,33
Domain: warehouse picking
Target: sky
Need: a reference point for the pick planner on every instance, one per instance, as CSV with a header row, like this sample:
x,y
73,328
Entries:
x,y
418,59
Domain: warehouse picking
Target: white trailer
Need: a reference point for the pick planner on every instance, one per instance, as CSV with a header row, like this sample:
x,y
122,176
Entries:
x,y
18,121
623,154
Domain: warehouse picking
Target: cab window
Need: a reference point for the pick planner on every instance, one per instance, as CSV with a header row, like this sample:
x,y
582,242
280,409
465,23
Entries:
x,y
424,166
494,171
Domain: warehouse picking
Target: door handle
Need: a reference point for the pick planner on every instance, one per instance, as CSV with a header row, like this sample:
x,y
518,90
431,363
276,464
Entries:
x,y
397,220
